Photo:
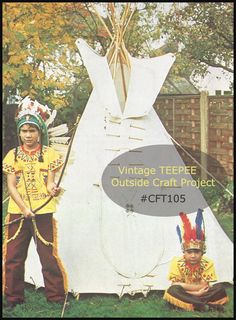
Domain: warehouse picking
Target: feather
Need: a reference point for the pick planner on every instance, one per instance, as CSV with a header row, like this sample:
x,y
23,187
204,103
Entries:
x,y
198,221
62,140
187,226
61,148
58,130
51,118
179,233
203,235
24,104
193,233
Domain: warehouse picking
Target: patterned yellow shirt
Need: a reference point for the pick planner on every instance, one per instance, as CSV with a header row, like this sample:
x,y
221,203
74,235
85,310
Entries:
x,y
181,271
31,175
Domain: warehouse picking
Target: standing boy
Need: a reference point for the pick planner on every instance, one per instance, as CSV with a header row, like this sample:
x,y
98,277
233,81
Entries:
x,y
30,170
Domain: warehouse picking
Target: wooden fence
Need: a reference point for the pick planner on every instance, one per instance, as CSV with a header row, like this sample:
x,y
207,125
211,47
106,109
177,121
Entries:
x,y
201,122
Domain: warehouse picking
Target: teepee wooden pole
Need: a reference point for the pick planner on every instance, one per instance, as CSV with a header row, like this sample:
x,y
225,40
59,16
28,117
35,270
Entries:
x,y
122,23
124,28
112,22
116,22
111,13
123,77
122,58
124,53
128,21
116,52
110,45
112,56
97,13
116,45
123,17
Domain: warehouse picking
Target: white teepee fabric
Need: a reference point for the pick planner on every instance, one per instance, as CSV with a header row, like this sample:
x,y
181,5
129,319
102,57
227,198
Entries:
x,y
102,247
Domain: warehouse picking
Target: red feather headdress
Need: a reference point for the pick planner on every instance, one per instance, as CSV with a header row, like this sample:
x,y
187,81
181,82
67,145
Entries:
x,y
193,237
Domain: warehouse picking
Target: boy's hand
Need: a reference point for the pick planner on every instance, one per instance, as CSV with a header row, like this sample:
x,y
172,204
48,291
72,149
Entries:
x,y
203,290
53,190
28,213
198,293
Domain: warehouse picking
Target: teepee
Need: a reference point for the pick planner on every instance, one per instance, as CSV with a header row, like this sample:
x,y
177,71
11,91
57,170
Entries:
x,y
104,247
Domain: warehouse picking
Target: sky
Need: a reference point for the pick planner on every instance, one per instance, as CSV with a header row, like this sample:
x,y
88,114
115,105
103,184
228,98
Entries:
x,y
215,79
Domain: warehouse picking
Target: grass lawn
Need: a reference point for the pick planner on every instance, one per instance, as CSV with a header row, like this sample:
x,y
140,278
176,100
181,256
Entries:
x,y
105,306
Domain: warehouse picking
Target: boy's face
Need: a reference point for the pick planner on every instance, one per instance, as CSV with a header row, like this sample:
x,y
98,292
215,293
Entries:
x,y
193,256
29,135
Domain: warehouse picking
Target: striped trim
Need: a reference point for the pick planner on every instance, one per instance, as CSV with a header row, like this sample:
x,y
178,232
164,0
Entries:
x,y
220,301
40,237
4,254
55,254
17,232
177,302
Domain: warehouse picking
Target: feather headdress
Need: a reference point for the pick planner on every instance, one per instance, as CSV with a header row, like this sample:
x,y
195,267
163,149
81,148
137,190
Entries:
x,y
192,237
32,112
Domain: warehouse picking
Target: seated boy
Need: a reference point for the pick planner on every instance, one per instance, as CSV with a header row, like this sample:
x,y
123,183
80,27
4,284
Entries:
x,y
192,273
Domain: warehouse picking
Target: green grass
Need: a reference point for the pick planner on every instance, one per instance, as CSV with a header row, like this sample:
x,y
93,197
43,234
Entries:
x,y
107,306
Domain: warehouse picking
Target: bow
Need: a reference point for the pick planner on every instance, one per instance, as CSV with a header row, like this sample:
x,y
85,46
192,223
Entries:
x,y
59,180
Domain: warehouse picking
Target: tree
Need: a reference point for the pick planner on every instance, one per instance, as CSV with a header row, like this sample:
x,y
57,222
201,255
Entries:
x,y
38,50
40,57
200,34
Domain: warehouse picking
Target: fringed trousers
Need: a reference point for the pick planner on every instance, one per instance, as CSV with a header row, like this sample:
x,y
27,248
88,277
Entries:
x,y
177,296
17,239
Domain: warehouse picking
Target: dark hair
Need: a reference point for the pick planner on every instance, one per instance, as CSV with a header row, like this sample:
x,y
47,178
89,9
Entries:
x,y
40,158
16,151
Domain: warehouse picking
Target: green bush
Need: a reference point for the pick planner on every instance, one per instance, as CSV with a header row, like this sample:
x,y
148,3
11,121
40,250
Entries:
x,y
219,199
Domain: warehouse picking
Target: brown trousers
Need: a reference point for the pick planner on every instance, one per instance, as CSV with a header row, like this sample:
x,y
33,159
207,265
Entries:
x,y
215,295
16,254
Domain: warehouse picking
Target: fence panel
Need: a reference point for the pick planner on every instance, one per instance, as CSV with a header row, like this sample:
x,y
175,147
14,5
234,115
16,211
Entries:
x,y
209,129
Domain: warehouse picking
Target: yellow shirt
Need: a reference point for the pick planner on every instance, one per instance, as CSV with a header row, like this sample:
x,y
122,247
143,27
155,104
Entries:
x,y
31,175
181,271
